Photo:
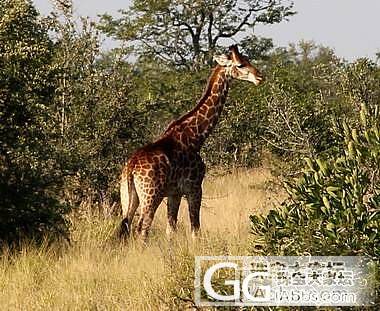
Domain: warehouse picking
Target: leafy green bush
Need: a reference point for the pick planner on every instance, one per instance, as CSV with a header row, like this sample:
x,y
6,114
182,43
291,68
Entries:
x,y
30,171
334,207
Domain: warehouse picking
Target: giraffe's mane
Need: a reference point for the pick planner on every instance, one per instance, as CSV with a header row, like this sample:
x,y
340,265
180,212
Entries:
x,y
205,95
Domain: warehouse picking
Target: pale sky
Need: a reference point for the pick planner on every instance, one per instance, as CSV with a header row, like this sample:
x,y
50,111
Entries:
x,y
350,27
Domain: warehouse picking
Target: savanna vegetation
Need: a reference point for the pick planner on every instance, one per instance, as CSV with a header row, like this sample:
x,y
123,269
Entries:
x,y
293,166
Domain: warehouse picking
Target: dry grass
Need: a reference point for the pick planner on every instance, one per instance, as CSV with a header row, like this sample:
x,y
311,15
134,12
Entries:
x,y
97,272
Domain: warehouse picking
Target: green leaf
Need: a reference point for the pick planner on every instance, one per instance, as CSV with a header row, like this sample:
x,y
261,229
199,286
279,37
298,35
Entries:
x,y
326,202
355,135
330,226
322,166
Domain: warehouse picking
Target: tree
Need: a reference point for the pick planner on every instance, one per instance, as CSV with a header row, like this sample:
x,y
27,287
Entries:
x,y
96,116
29,168
183,31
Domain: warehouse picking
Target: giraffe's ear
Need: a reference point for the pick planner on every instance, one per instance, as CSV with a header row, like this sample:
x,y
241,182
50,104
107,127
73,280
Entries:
x,y
222,60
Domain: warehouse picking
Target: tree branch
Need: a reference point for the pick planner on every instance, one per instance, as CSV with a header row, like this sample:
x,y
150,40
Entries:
x,y
230,34
211,45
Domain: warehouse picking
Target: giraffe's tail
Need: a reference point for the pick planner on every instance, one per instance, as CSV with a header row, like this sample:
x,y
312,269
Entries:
x,y
129,203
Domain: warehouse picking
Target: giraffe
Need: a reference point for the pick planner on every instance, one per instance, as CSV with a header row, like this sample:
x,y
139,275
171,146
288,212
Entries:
x,y
171,166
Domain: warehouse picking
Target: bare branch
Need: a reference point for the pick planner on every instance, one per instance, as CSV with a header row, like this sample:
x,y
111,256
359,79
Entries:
x,y
243,23
297,150
187,26
209,31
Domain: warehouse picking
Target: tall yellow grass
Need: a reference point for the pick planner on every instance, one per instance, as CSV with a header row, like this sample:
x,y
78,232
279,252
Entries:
x,y
97,272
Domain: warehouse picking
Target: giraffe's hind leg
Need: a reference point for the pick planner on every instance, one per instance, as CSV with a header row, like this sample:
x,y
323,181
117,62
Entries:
x,y
148,209
150,180
194,202
173,207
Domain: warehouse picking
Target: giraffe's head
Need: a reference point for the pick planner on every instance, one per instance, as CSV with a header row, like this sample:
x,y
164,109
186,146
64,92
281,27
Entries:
x,y
238,67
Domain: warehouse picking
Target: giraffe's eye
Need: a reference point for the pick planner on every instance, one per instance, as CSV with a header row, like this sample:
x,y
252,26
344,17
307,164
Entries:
x,y
240,66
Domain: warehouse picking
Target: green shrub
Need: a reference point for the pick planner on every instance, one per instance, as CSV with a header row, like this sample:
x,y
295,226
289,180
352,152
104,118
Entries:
x,y
30,171
334,207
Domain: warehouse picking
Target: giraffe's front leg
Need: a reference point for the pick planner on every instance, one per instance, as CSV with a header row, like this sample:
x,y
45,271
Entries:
x,y
194,201
173,207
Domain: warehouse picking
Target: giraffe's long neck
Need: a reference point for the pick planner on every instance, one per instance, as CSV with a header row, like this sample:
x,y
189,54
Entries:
x,y
192,129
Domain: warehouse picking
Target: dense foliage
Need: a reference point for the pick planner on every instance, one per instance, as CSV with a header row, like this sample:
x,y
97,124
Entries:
x,y
334,206
30,170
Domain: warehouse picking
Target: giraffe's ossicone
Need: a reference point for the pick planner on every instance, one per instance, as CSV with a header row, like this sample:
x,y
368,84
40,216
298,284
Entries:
x,y
171,166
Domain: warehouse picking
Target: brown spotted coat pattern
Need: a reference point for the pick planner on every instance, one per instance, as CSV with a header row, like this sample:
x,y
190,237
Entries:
x,y
171,166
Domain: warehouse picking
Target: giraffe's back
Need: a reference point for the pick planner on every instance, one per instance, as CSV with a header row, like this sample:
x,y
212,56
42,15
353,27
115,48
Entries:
x,y
166,165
